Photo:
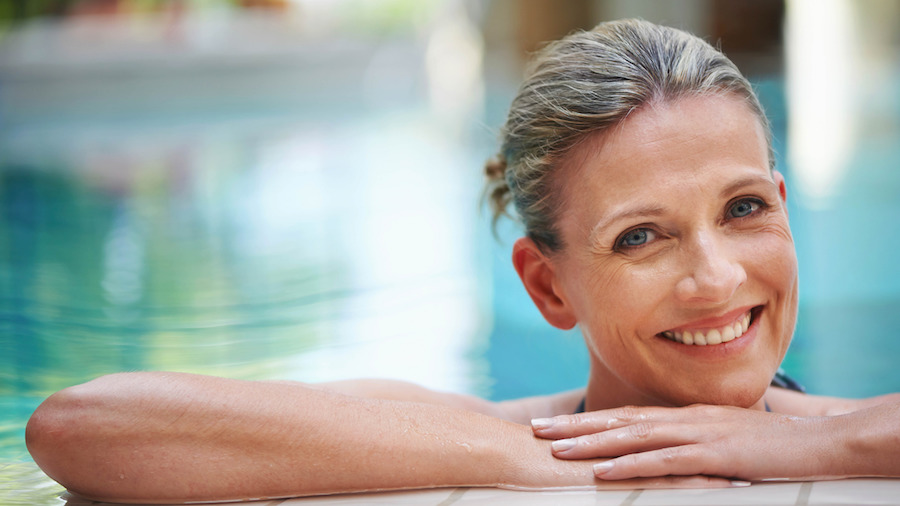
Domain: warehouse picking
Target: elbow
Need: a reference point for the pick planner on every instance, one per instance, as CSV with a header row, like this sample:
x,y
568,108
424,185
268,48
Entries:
x,y
65,436
51,434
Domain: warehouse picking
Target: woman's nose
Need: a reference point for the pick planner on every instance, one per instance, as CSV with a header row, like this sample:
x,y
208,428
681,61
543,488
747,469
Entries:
x,y
713,272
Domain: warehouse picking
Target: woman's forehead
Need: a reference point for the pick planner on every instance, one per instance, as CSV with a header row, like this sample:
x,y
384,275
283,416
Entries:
x,y
693,142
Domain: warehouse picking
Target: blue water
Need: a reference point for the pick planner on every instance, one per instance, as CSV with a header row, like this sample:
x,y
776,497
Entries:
x,y
317,237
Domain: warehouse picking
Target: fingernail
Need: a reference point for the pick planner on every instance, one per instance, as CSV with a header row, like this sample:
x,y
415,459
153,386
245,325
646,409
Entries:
x,y
603,467
541,423
562,445
738,483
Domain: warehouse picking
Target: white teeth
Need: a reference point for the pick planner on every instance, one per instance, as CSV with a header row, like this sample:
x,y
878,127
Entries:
x,y
712,337
727,333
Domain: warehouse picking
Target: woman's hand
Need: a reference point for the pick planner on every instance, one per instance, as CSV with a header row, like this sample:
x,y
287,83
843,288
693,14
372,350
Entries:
x,y
699,440
531,466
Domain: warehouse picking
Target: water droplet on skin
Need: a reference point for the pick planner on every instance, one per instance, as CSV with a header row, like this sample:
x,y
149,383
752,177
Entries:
x,y
467,446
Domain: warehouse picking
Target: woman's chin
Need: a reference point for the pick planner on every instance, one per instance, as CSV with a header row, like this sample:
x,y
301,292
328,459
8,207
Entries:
x,y
747,393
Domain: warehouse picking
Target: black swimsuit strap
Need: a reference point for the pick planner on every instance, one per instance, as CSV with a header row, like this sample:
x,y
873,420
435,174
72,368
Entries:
x,y
782,380
580,408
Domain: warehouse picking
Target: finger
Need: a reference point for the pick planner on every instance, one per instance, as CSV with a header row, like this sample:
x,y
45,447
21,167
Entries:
x,y
678,460
567,426
579,424
698,481
639,437
679,482
661,482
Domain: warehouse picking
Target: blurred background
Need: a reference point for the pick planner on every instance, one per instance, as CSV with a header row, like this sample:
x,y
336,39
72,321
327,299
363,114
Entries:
x,y
292,189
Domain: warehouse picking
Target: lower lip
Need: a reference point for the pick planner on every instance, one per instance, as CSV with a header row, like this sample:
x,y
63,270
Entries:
x,y
731,348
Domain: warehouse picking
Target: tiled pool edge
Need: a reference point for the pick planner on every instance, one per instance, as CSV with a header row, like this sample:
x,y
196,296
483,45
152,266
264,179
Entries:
x,y
855,492
874,491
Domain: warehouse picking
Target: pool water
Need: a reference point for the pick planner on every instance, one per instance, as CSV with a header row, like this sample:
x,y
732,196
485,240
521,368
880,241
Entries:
x,y
329,234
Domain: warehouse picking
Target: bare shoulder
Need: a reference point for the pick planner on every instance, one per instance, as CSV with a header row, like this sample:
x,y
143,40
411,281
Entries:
x,y
799,404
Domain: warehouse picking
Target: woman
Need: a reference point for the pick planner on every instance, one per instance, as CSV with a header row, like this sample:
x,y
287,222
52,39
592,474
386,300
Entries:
x,y
639,161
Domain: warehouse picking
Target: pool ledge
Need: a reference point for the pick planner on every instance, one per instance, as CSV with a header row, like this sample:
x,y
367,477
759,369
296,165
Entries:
x,y
853,492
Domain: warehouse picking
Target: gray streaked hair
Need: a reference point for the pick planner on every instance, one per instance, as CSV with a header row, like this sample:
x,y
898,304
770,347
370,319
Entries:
x,y
589,82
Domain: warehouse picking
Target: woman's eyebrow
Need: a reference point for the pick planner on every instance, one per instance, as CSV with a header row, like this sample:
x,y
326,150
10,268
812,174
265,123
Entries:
x,y
627,214
652,211
744,182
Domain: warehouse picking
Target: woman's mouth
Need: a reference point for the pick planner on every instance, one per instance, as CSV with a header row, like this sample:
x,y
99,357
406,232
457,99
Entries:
x,y
713,336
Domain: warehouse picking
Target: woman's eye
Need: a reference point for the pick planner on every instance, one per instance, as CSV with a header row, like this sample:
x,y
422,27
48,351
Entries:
x,y
637,237
743,208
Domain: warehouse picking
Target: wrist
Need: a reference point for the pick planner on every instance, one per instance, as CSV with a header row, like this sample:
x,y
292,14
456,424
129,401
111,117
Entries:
x,y
517,449
528,463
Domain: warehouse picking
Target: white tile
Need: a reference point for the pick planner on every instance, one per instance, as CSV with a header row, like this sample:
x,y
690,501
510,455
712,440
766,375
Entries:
x,y
430,497
493,496
775,494
72,500
856,492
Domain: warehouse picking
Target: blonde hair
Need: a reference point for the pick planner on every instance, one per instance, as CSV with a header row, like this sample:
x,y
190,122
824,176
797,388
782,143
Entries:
x,y
589,82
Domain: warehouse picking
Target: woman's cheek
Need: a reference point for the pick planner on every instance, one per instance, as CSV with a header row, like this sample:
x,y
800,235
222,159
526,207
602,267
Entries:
x,y
777,260
625,298
769,247
775,270
619,291
597,282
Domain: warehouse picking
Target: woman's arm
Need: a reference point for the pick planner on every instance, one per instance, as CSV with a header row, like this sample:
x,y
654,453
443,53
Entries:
x,y
396,390
168,437
175,437
791,402
725,441
520,411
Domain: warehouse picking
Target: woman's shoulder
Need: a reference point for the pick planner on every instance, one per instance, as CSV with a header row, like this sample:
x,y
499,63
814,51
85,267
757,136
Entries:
x,y
791,402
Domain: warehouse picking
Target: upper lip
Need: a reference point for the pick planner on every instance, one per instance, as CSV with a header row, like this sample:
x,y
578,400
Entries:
x,y
713,322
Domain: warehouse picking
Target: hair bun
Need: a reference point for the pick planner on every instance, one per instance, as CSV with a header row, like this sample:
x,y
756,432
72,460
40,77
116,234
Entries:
x,y
496,190
495,168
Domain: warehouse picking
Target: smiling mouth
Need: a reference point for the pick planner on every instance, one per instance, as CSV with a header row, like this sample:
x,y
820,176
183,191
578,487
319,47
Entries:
x,y
711,337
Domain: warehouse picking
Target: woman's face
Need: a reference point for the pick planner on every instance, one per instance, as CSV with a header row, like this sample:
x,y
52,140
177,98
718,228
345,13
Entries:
x,y
676,234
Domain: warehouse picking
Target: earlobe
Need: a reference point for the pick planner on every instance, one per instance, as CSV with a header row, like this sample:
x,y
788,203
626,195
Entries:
x,y
538,276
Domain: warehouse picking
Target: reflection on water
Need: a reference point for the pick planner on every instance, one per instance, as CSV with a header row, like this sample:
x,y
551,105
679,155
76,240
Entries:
x,y
97,273
229,262
22,483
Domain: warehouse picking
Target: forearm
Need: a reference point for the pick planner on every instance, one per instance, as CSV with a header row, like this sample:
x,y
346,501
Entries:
x,y
172,437
869,440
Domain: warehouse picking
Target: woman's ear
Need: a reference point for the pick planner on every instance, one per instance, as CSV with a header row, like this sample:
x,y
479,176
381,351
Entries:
x,y
538,276
779,180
